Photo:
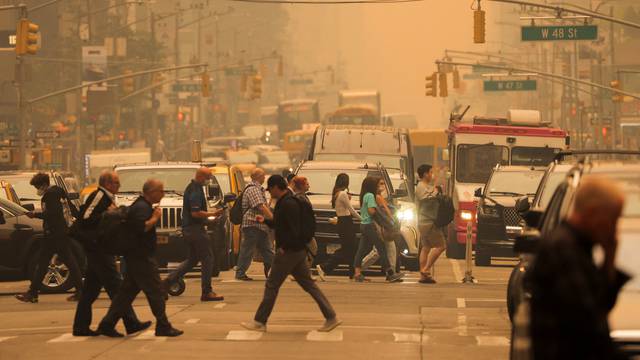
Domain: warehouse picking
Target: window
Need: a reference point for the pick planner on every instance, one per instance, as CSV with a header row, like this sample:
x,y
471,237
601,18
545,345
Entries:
x,y
514,183
475,161
174,179
533,156
422,155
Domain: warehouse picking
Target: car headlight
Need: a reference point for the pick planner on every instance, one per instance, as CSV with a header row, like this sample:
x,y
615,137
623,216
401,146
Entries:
x,y
466,215
406,215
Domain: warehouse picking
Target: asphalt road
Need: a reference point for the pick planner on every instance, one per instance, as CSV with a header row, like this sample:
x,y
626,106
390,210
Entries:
x,y
408,320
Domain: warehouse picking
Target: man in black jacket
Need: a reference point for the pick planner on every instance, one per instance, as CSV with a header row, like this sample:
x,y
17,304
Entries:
x,y
571,295
142,268
290,258
56,239
101,267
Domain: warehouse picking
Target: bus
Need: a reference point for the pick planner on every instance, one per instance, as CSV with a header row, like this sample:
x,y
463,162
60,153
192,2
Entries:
x,y
294,114
429,147
353,115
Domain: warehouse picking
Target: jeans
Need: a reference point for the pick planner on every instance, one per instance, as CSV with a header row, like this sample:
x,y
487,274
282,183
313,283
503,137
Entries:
x,y
294,263
252,237
371,238
199,251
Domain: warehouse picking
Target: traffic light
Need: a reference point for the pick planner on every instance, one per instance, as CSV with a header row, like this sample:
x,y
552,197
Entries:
x,y
431,85
616,97
256,87
444,91
205,85
479,26
180,116
26,37
127,83
456,79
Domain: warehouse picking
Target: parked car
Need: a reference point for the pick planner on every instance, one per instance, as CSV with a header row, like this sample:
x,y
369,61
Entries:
x,y
498,221
27,194
231,183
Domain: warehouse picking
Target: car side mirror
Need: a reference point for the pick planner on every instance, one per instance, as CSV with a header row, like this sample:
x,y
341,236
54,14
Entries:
x,y
229,198
73,196
478,192
214,191
2,219
400,193
527,243
523,206
29,207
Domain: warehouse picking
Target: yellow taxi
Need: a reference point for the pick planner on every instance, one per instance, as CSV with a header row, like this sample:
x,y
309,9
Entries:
x,y
7,192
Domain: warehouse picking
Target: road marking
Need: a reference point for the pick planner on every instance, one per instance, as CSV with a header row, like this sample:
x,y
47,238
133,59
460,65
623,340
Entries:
x,y
220,306
492,341
68,337
487,300
150,335
192,321
244,335
37,328
5,338
408,337
457,273
462,325
461,303
315,335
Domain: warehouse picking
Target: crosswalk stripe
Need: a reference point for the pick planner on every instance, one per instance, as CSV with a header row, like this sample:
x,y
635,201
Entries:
x,y
150,335
220,306
492,341
335,335
244,335
68,337
192,321
5,338
407,337
462,303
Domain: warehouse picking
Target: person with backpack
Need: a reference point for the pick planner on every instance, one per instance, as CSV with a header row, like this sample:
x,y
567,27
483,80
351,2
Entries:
x,y
370,234
431,235
301,187
194,216
254,234
142,268
101,266
56,238
294,225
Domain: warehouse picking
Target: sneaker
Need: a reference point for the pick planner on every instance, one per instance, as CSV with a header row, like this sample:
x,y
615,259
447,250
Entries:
x,y
254,326
27,297
330,324
395,277
169,332
359,278
243,278
211,297
320,273
427,280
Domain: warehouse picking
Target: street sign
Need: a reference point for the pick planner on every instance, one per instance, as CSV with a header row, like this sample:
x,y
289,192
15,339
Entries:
x,y
301,81
510,85
47,134
16,143
7,39
240,70
186,87
558,33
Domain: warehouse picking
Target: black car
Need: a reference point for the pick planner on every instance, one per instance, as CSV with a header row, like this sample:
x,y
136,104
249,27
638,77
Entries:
x,y
20,239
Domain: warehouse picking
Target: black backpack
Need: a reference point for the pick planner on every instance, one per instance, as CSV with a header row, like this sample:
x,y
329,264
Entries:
x,y
307,220
114,233
235,213
446,211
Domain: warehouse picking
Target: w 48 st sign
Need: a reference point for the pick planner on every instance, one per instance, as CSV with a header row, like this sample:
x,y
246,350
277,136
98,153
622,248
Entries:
x,y
559,33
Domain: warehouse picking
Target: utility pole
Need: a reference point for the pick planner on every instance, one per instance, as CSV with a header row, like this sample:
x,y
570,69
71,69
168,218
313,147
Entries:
x,y
154,109
614,114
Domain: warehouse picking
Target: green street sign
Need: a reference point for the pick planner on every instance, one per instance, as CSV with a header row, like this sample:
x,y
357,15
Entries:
x,y
186,87
510,85
559,33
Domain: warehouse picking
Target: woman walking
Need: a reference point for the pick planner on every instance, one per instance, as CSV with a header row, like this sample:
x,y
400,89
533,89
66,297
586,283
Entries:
x,y
387,236
370,235
341,202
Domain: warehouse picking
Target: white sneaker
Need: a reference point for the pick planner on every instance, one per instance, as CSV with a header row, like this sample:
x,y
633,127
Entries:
x,y
320,273
330,325
254,326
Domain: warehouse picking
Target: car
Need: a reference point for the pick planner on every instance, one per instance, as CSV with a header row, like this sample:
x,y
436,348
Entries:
x,y
322,176
498,221
245,160
27,194
7,192
20,239
231,183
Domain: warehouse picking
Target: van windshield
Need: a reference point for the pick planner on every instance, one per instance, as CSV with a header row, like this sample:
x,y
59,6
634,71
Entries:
x,y
532,156
475,162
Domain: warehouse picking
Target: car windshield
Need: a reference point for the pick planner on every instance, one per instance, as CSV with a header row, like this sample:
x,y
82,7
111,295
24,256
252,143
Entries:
x,y
277,157
12,207
475,161
22,187
514,183
532,156
242,157
549,187
390,162
223,180
322,181
174,179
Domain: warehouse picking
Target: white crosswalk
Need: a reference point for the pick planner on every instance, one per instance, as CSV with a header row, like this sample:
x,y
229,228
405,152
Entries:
x,y
67,338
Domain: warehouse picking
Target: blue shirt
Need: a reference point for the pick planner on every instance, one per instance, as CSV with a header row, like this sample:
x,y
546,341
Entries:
x,y
368,201
193,200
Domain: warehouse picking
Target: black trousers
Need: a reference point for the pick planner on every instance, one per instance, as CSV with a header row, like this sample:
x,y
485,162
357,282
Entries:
x,y
348,246
141,275
101,272
53,244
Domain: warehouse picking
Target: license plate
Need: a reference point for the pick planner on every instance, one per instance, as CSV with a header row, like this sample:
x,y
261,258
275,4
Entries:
x,y
332,248
163,239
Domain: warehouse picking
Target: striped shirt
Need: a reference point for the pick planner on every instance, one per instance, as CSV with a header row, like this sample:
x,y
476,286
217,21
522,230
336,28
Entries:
x,y
252,199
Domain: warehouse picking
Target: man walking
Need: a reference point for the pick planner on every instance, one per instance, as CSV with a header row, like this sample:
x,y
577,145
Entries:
x,y
254,234
194,216
290,258
142,269
101,267
56,239
431,237
571,294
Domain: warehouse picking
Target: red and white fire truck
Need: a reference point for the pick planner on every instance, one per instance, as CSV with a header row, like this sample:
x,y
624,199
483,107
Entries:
x,y
476,147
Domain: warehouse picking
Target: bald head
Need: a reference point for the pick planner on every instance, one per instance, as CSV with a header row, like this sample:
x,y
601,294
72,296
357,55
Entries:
x,y
110,181
202,175
258,175
153,190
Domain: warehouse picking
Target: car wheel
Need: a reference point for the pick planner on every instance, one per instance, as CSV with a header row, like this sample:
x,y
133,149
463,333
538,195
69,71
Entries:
x,y
482,259
57,279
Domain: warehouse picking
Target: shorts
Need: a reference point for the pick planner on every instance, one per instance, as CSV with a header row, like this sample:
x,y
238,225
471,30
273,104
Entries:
x,y
430,236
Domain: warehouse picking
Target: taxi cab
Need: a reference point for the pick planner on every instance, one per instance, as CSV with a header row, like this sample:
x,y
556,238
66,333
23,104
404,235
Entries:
x,y
231,180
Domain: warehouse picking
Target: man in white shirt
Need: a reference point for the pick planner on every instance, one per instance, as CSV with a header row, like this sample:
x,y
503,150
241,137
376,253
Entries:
x,y
431,237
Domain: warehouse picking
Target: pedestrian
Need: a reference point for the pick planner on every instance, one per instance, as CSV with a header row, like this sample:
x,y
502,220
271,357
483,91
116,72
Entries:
x,y
101,267
194,217
387,236
370,236
55,241
142,269
341,202
254,234
431,237
290,258
572,295
301,187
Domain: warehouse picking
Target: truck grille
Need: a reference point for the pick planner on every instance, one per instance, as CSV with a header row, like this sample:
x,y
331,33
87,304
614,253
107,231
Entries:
x,y
511,217
326,230
171,218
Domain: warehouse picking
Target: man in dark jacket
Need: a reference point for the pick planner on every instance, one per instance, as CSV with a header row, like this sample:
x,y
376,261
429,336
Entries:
x,y
142,268
56,239
290,258
101,267
571,295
